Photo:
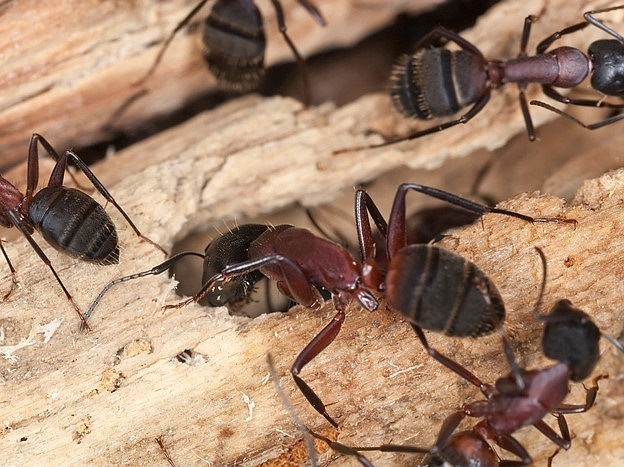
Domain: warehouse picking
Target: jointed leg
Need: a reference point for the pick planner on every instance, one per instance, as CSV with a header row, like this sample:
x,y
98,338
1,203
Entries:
x,y
591,126
315,347
396,224
14,281
15,219
167,42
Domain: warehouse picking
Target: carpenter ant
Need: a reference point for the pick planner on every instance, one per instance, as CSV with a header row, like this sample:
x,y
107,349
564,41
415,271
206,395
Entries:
x,y
433,288
505,410
501,413
436,82
68,219
234,42
570,337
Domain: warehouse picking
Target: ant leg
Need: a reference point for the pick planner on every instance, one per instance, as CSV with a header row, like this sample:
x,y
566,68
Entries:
x,y
552,456
281,24
167,42
314,12
163,449
546,43
589,17
528,121
552,435
506,442
162,267
344,449
452,364
590,399
15,283
18,222
449,425
526,32
331,233
396,238
474,110
291,410
591,126
33,165
315,347
364,205
299,287
557,96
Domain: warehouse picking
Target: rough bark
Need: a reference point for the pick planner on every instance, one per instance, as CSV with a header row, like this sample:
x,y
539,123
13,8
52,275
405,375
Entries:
x,y
68,67
104,397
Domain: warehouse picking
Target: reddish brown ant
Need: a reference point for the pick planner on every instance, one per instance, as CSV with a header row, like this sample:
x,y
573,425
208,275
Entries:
x,y
570,337
68,219
436,82
300,262
234,42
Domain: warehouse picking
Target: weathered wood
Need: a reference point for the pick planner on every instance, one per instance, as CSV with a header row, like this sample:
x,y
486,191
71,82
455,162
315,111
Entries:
x,y
104,397
69,66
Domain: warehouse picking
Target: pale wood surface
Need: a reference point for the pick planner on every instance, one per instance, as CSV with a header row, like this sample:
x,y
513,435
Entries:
x,y
68,67
102,398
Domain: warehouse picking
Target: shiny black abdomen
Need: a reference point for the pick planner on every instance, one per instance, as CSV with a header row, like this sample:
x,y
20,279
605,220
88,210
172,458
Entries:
x,y
441,291
74,223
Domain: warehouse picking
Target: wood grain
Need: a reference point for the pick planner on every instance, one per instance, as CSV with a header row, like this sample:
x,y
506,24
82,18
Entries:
x,y
67,68
103,398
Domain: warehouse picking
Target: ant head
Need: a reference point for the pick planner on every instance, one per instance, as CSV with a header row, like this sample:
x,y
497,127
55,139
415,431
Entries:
x,y
229,248
607,77
571,337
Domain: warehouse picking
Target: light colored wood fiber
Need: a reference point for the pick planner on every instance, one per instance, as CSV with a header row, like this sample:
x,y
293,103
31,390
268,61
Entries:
x,y
69,398
69,66
105,396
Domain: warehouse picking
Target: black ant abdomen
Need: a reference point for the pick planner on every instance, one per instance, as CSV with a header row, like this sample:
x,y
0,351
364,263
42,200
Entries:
x,y
570,336
436,83
74,223
233,43
441,291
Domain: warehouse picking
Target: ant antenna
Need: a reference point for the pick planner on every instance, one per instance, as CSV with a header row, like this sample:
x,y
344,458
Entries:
x,y
159,269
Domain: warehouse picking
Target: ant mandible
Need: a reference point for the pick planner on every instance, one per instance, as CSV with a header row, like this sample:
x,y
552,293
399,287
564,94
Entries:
x,y
234,42
301,262
436,82
68,219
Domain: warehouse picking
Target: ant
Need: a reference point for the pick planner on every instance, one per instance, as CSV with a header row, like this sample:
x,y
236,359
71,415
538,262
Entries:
x,y
570,337
436,82
234,42
433,288
68,219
